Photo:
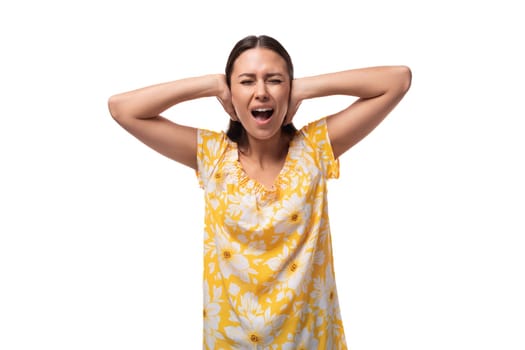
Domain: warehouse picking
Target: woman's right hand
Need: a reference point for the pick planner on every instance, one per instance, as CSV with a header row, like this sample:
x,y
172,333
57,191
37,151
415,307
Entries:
x,y
294,102
225,97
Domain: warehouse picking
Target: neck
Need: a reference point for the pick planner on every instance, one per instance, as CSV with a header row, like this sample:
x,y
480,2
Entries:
x,y
265,152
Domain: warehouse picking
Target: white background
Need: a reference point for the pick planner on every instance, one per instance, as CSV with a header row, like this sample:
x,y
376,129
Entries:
x,y
101,238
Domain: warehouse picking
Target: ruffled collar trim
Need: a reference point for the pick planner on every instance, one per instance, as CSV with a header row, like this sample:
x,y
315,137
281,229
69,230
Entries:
x,y
234,167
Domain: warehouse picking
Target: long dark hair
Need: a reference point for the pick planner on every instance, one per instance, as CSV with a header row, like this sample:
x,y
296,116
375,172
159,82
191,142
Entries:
x,y
236,131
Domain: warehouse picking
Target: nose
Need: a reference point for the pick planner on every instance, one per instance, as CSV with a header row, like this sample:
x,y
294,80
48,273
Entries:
x,y
261,93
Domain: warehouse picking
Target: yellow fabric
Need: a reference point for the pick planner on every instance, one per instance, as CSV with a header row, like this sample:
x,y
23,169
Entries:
x,y
268,269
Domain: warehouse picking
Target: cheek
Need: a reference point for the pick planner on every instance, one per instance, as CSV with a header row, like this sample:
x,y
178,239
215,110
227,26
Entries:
x,y
284,100
239,101
284,96
236,105
240,111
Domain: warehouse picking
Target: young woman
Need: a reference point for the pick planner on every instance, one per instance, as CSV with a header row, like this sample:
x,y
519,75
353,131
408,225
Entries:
x,y
268,270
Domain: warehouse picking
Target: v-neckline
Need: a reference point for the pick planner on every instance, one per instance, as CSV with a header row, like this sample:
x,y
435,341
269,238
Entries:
x,y
257,184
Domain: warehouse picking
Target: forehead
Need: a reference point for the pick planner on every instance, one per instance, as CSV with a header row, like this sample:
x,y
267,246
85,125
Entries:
x,y
259,60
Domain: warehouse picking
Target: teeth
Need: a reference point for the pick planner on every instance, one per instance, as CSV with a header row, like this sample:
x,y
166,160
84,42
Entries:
x,y
262,110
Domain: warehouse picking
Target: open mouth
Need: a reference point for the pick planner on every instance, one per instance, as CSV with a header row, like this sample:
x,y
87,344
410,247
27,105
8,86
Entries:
x,y
262,114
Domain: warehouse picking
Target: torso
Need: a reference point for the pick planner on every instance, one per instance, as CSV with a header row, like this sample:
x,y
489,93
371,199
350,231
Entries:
x,y
268,268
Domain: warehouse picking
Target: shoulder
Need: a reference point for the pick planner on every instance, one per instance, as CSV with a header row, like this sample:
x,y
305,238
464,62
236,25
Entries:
x,y
205,134
211,145
211,149
316,143
315,131
210,141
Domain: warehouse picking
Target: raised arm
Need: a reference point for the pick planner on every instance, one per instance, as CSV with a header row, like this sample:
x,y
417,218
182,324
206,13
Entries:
x,y
379,90
139,112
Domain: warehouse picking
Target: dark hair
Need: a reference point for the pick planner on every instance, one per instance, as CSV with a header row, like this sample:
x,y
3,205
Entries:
x,y
236,131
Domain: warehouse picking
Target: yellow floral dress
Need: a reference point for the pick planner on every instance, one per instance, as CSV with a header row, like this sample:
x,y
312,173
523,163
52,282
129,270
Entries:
x,y
268,268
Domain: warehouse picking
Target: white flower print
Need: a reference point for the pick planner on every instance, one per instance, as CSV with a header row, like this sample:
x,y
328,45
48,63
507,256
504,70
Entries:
x,y
211,315
277,261
305,340
325,293
242,212
292,215
211,148
232,259
209,243
294,279
215,185
319,257
249,304
257,327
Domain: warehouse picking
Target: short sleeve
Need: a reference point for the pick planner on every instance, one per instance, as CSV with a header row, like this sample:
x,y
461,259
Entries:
x,y
316,133
210,149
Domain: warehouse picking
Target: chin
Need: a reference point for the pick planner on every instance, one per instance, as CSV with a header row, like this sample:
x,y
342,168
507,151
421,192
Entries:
x,y
263,135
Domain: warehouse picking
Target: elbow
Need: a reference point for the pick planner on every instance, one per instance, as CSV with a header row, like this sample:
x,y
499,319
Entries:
x,y
114,106
405,78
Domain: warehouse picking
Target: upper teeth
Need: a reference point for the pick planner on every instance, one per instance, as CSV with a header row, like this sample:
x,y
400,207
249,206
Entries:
x,y
262,110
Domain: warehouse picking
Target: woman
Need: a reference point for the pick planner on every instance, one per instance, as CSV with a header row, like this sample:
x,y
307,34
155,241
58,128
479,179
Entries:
x,y
268,270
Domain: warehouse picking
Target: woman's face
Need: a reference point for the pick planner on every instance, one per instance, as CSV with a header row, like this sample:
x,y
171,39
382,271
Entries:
x,y
260,88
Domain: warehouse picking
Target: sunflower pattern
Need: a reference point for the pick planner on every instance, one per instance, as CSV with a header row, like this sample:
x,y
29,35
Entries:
x,y
269,281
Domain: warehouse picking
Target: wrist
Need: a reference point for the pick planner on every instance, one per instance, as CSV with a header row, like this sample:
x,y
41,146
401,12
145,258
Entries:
x,y
300,90
218,84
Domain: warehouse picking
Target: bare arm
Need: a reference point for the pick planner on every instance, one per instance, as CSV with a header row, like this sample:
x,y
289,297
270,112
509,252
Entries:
x,y
139,112
379,90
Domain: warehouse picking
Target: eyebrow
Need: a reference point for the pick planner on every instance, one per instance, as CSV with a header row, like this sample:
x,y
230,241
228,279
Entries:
x,y
268,75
